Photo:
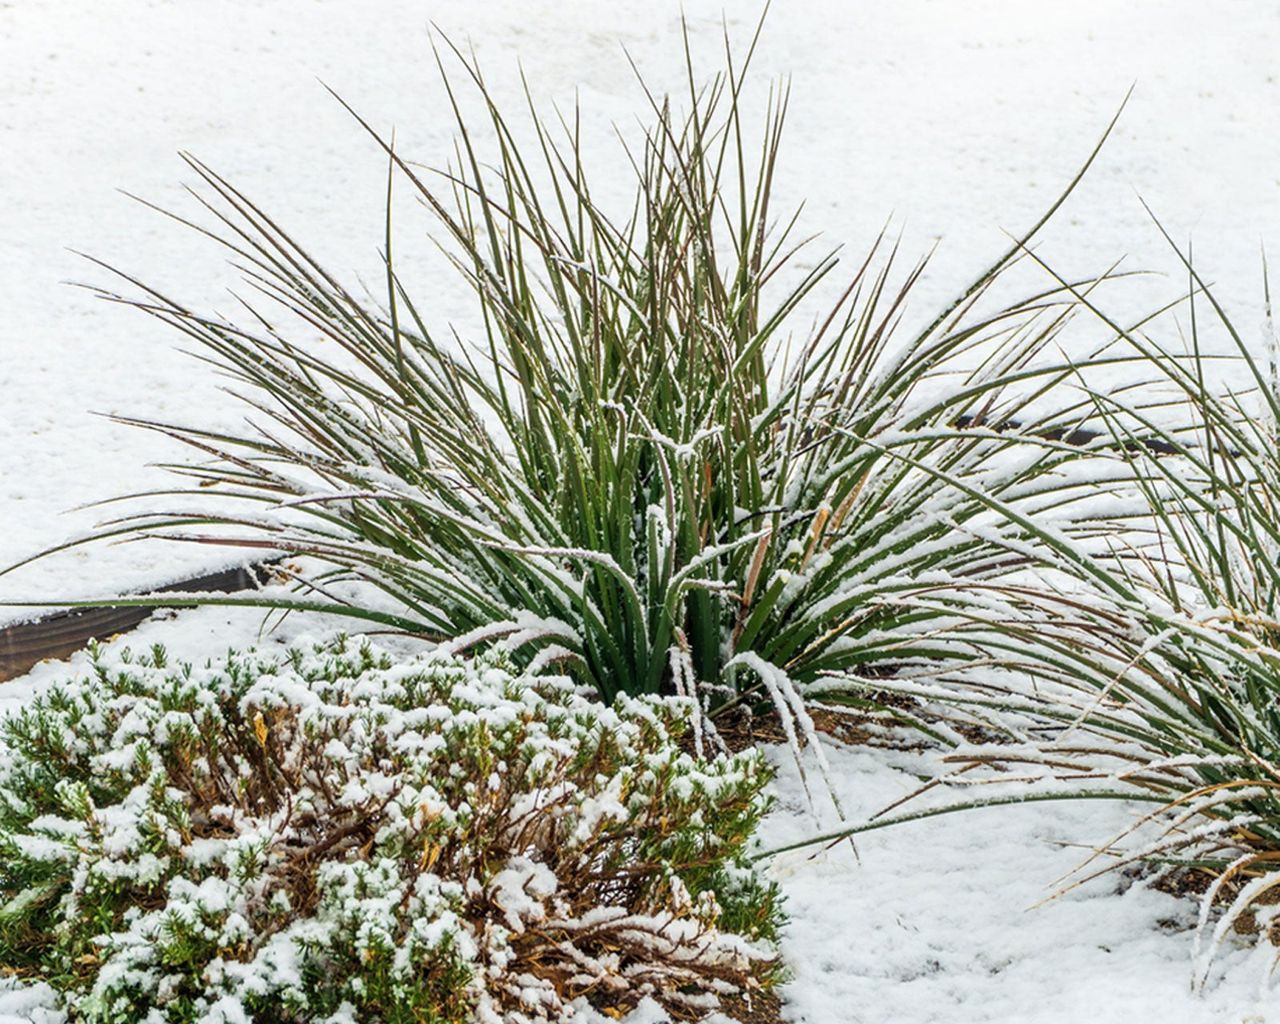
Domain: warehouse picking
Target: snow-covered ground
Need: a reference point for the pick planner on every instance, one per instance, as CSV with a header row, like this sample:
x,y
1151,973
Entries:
x,y
958,120
944,920
934,922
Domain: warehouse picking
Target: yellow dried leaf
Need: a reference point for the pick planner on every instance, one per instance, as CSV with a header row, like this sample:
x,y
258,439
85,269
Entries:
x,y
430,855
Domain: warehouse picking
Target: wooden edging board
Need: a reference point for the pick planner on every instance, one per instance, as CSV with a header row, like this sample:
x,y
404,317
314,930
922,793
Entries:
x,y
61,634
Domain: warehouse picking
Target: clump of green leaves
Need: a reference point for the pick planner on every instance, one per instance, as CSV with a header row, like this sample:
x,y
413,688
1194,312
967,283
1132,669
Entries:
x,y
637,471
329,834
1176,704
1198,716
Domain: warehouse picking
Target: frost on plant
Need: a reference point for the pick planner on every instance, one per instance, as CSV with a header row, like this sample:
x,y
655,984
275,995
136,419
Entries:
x,y
328,834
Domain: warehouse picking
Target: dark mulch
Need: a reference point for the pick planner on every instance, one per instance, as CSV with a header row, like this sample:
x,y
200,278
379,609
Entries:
x,y
765,1008
743,729
1194,883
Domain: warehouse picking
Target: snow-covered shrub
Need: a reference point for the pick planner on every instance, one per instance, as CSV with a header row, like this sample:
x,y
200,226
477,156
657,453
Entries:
x,y
332,835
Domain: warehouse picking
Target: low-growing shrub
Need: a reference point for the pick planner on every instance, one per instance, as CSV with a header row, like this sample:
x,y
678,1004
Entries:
x,y
328,834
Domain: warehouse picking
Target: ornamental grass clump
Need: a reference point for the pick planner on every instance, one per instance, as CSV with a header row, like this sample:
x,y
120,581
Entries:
x,y
330,835
1179,710
1200,735
636,470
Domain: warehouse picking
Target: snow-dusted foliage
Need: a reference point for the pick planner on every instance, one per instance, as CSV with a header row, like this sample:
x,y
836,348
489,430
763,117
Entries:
x,y
1188,717
643,470
328,834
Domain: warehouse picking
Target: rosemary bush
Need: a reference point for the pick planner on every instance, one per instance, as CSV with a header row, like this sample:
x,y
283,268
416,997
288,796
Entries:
x,y
328,834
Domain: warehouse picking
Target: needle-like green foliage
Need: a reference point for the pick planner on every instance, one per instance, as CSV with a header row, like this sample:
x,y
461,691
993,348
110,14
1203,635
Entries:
x,y
1177,704
333,834
638,471
1208,736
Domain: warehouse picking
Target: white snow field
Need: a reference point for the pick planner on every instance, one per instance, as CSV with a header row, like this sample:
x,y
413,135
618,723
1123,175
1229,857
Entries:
x,y
953,121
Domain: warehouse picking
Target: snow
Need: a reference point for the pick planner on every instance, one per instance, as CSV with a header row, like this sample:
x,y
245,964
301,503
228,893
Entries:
x,y
959,120
945,919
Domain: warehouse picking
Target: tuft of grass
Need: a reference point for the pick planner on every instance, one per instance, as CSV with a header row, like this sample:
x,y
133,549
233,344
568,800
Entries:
x,y
1204,741
1176,704
638,472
